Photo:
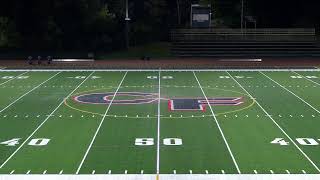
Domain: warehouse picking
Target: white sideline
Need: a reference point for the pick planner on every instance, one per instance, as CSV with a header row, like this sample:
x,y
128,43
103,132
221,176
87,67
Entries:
x,y
29,92
162,70
164,176
13,78
218,125
291,92
4,163
158,131
98,129
282,130
307,78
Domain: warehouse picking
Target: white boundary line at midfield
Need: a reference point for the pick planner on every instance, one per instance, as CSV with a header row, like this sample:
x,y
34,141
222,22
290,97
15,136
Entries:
x,y
282,130
291,92
13,78
30,136
98,129
306,78
29,92
156,70
218,125
158,129
165,176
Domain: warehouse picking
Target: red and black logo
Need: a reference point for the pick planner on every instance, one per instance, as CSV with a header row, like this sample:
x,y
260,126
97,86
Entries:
x,y
175,104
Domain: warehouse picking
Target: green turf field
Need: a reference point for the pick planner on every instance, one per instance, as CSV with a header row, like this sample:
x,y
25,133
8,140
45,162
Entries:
x,y
160,122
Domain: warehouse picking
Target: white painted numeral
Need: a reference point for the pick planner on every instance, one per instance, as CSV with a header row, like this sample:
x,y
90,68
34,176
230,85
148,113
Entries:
x,y
95,77
18,77
11,142
307,141
150,141
7,77
163,77
301,141
296,77
22,77
167,77
39,142
144,142
80,77
33,142
311,77
172,142
239,77
152,77
280,141
224,77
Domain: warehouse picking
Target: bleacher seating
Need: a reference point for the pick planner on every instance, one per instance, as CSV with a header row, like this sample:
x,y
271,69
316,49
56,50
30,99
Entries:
x,y
253,43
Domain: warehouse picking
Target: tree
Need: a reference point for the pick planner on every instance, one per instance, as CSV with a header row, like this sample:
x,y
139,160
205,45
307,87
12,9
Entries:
x,y
9,38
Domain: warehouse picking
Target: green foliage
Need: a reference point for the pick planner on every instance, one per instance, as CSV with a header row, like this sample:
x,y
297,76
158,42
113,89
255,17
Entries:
x,y
98,25
8,34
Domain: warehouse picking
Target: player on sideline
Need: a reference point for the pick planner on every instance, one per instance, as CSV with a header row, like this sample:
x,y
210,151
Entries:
x,y
49,58
39,60
29,60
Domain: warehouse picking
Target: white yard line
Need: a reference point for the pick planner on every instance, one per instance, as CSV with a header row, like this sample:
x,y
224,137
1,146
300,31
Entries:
x,y
13,78
291,92
29,92
102,120
158,132
307,78
218,125
282,130
27,140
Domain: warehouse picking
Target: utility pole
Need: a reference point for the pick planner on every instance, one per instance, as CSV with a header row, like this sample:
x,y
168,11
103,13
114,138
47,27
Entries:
x,y
178,11
242,15
127,19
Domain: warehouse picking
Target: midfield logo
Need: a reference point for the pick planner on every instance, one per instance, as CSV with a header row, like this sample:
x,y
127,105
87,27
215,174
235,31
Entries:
x,y
175,104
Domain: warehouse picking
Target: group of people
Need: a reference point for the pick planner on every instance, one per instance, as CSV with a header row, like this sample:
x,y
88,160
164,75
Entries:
x,y
39,60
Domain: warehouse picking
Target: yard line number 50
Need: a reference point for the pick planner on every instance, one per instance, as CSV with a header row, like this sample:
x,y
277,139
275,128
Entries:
x,y
150,142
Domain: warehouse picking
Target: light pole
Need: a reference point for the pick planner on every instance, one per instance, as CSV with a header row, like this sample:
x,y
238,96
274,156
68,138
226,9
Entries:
x,y
127,19
242,13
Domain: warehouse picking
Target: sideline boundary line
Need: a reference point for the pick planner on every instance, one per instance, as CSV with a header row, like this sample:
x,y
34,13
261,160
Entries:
x,y
291,92
30,136
98,129
218,125
165,176
13,78
156,70
282,130
29,92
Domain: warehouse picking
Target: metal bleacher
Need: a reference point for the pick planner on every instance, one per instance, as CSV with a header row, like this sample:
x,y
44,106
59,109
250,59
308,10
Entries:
x,y
250,42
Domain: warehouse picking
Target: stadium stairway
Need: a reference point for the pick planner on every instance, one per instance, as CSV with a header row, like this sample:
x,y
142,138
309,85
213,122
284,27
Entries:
x,y
263,43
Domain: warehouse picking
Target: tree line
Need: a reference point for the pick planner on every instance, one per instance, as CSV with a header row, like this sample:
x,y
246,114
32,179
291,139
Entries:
x,y
98,25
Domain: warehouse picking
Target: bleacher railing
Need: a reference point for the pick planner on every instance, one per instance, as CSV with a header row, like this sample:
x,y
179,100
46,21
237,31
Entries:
x,y
243,35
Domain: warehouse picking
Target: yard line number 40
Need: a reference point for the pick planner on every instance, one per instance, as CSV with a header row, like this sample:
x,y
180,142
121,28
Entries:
x,y
32,142
301,141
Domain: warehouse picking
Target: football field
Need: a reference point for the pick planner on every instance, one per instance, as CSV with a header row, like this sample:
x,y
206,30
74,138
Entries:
x,y
160,122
